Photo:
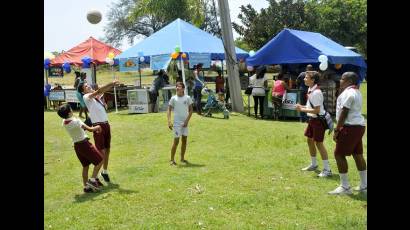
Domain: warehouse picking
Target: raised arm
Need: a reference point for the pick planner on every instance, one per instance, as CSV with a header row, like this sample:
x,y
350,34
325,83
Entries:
x,y
104,88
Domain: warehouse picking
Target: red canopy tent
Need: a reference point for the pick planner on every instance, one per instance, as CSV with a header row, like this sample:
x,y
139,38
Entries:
x,y
96,50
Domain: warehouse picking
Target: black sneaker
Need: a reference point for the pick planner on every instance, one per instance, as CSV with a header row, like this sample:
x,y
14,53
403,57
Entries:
x,y
99,182
94,185
88,190
105,177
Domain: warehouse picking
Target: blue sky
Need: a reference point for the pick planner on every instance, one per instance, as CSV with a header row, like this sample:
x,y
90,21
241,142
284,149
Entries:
x,y
66,25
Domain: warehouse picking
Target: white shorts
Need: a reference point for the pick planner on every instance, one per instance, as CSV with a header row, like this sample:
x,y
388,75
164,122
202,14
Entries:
x,y
180,131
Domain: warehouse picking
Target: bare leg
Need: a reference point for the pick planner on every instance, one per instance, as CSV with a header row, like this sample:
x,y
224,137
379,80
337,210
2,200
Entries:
x,y
360,162
183,147
85,175
312,148
341,163
174,148
322,150
96,169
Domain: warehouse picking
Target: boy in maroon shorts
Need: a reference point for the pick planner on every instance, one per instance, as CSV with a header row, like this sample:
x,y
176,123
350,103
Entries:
x,y
348,134
98,115
86,152
315,130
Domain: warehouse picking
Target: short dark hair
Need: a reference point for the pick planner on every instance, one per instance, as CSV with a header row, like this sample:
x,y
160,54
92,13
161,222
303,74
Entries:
x,y
181,84
309,67
260,71
80,87
83,74
314,75
352,77
64,110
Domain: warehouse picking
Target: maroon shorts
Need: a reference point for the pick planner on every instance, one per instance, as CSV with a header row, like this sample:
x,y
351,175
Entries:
x,y
87,153
315,130
102,139
349,140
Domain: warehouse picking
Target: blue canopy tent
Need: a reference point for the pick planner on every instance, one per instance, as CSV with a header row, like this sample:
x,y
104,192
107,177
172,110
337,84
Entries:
x,y
188,37
295,46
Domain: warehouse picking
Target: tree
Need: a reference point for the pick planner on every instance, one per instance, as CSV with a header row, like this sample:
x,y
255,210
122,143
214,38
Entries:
x,y
135,18
344,21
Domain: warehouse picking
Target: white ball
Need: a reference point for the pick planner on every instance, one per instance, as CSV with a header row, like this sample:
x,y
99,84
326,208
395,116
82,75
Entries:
x,y
94,16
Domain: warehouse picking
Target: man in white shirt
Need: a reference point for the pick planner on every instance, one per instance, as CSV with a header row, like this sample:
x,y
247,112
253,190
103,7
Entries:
x,y
349,132
99,116
182,106
315,130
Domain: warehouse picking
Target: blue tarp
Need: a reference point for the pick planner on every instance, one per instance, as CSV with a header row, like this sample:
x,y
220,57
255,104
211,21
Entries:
x,y
188,37
295,46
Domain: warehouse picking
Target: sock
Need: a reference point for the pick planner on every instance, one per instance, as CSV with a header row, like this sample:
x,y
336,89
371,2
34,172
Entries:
x,y
92,179
344,180
363,179
314,162
326,165
104,171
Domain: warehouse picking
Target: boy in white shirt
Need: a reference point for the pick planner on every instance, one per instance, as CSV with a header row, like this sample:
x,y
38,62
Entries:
x,y
86,152
182,106
348,134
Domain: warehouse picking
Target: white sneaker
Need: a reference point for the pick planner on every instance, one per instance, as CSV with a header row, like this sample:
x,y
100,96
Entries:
x,y
341,191
325,173
360,189
310,168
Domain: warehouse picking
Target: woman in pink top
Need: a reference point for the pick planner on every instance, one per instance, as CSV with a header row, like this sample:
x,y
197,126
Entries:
x,y
278,90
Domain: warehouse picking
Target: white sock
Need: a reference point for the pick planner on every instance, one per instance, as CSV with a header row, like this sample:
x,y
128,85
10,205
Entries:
x,y
314,162
344,180
92,179
363,178
105,171
326,165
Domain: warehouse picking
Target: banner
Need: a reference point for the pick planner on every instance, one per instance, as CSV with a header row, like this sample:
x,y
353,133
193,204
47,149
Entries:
x,y
71,96
196,58
160,61
289,101
55,72
129,64
56,96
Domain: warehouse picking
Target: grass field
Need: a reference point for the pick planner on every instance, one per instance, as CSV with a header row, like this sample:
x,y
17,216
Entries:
x,y
245,174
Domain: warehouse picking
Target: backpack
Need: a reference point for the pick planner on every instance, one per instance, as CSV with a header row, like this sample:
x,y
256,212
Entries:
x,y
326,119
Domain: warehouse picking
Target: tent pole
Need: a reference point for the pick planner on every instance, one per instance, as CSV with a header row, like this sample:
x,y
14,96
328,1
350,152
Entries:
x,y
183,77
115,92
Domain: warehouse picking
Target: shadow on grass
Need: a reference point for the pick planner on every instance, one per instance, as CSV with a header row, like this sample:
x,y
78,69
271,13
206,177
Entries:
x,y
189,165
46,173
365,116
334,177
215,117
103,192
362,196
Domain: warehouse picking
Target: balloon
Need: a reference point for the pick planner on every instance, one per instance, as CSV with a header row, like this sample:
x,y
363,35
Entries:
x,y
47,89
67,67
177,49
111,55
183,55
322,58
110,61
338,66
116,61
46,63
249,68
48,55
323,66
251,53
86,61
142,59
174,55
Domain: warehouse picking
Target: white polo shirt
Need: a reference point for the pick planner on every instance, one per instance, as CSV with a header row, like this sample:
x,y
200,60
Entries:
x,y
181,107
96,109
351,98
73,127
316,98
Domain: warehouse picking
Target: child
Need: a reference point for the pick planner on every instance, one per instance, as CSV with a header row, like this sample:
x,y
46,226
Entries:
x,y
182,106
86,152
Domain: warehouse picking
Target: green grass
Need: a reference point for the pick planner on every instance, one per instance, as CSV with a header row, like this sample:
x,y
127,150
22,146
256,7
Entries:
x,y
245,175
